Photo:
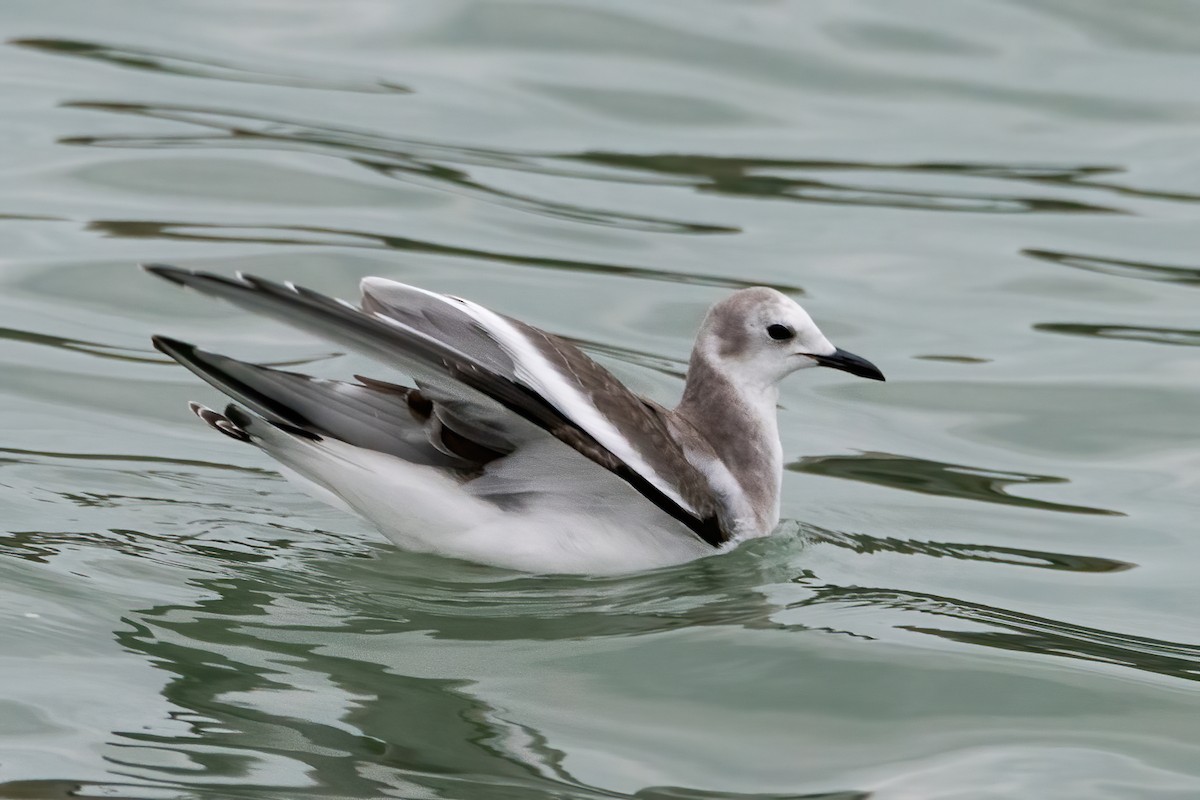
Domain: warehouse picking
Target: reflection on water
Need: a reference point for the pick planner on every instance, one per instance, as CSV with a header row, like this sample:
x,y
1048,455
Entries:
x,y
248,662
196,67
243,663
79,346
1020,557
284,667
1011,630
60,790
115,459
1187,276
776,178
413,161
1132,333
134,354
427,163
951,359
672,793
310,236
415,733
938,478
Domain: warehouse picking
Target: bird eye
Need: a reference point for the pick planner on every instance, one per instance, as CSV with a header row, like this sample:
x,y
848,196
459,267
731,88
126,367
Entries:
x,y
780,333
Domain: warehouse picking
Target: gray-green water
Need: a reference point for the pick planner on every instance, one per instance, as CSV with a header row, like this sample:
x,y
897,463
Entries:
x,y
987,584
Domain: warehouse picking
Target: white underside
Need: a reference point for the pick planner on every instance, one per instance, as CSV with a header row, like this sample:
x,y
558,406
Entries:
x,y
557,511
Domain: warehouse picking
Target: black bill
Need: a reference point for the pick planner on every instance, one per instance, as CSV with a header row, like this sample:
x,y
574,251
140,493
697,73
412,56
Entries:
x,y
848,362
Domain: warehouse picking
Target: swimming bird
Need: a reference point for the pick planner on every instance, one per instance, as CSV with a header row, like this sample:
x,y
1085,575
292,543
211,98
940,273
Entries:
x,y
511,446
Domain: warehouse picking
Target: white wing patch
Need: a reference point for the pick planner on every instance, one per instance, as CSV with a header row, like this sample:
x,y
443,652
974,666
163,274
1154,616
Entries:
x,y
538,374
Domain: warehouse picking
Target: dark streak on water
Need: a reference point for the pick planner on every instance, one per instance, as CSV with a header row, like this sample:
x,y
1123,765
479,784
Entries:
x,y
412,159
1131,333
197,67
1015,556
310,236
1186,276
921,475
409,160
1023,632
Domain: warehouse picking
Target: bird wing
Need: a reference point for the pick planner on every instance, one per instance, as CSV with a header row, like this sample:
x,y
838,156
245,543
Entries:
x,y
495,380
372,414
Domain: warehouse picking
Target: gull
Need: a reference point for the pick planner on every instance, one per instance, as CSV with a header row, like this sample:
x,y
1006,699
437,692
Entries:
x,y
512,447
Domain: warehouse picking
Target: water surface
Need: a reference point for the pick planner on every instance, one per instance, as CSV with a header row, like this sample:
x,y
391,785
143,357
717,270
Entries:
x,y
985,584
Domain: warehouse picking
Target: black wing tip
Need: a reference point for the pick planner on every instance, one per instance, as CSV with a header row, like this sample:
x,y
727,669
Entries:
x,y
178,350
238,416
181,276
174,348
169,272
235,423
234,428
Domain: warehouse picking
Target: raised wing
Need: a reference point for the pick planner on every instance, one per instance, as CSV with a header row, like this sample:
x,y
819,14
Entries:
x,y
500,379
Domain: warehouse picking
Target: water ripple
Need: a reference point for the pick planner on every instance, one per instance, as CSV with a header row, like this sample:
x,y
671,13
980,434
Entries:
x,y
79,346
410,160
313,236
1022,632
769,178
1132,333
1186,276
939,478
422,161
134,354
994,554
195,67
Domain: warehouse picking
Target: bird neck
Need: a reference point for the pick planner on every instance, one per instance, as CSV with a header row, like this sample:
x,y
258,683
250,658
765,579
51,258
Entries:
x,y
737,419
